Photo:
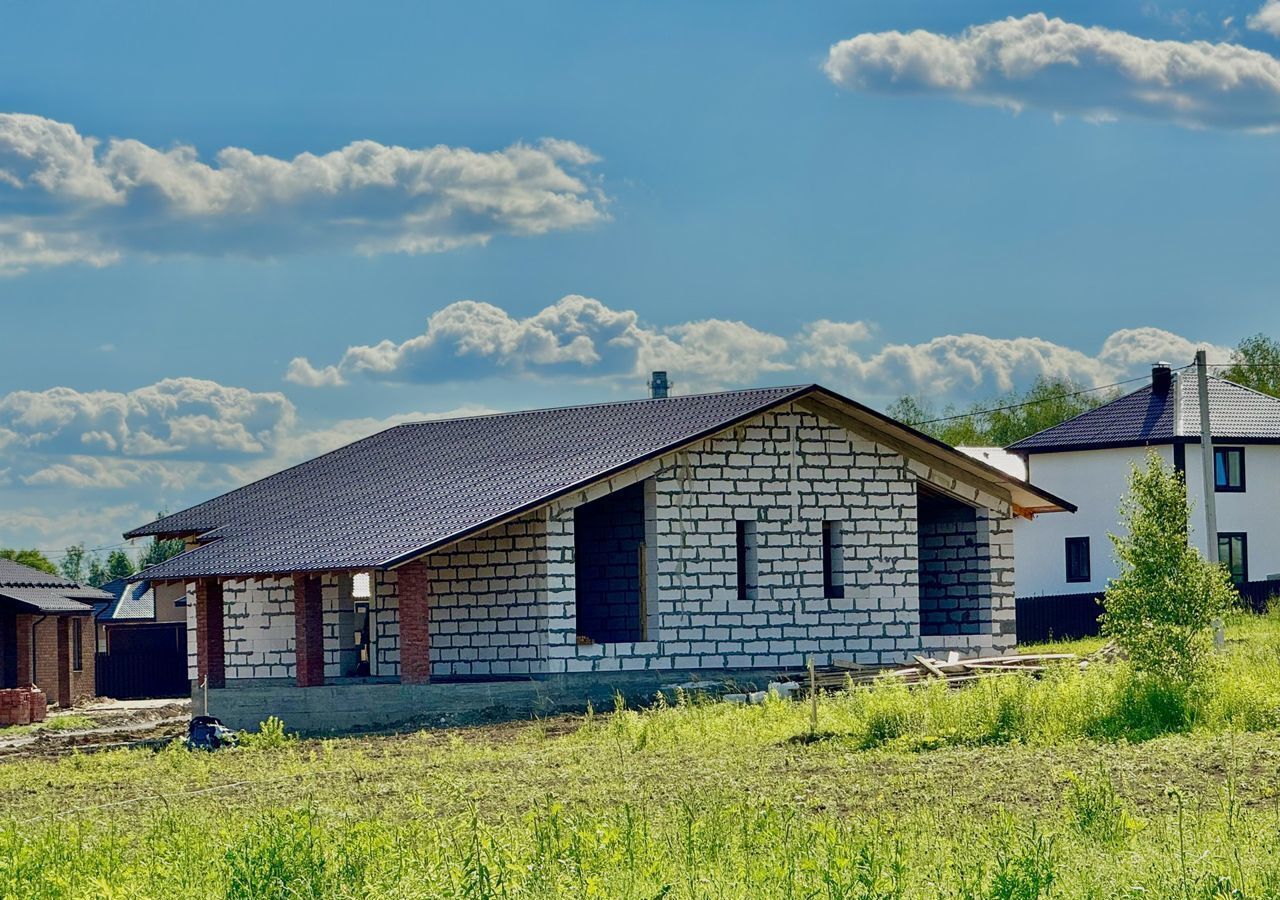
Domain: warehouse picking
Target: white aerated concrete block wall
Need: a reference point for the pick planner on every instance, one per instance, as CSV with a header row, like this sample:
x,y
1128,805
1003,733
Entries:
x,y
488,603
259,627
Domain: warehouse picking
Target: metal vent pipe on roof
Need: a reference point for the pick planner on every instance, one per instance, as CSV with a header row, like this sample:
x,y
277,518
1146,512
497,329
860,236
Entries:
x,y
658,385
1161,378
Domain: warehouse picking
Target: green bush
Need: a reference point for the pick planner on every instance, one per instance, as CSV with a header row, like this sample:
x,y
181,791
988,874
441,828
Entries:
x,y
269,736
1161,608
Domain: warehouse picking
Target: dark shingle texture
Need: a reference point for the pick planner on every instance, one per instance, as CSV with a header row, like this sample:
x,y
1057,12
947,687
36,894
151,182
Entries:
x,y
1145,417
413,487
41,592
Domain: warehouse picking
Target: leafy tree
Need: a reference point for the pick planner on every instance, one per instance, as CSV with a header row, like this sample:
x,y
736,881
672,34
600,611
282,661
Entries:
x,y
1255,363
1161,608
72,565
158,551
1003,419
119,565
33,558
97,574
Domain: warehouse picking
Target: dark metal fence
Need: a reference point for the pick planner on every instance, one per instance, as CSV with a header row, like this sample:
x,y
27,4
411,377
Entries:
x,y
144,661
1069,616
1057,617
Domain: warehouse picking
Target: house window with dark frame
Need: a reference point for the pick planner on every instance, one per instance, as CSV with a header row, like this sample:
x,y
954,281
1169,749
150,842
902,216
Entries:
x,y
833,559
745,545
1233,552
1078,568
77,645
1228,469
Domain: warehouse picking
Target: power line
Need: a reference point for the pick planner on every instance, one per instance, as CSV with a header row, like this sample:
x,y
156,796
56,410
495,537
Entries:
x,y
1011,406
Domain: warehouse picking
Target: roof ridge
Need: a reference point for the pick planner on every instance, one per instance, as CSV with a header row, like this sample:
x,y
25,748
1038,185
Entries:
x,y
785,388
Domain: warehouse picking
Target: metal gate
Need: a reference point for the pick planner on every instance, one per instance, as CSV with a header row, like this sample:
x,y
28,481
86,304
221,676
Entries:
x,y
144,661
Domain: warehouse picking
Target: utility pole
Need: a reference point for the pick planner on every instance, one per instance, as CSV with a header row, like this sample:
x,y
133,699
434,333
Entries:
x,y
1206,455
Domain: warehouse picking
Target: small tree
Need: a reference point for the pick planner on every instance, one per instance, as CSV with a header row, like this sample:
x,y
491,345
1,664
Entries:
x,y
72,565
1161,608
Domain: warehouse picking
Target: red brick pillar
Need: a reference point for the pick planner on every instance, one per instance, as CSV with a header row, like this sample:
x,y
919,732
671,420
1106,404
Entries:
x,y
414,588
211,664
308,623
22,647
64,661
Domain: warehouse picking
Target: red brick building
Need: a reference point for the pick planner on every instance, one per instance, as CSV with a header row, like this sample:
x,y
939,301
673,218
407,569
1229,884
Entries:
x,y
46,633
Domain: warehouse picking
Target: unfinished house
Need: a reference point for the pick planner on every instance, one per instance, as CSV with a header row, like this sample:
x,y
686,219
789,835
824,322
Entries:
x,y
537,559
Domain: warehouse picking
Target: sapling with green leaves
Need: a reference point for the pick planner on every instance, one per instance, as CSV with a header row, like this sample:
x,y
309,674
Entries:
x,y
1161,608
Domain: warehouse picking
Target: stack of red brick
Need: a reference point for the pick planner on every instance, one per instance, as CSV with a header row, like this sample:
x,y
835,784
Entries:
x,y
22,705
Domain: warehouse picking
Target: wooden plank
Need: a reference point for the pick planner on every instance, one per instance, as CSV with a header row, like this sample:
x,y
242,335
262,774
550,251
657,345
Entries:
x,y
929,666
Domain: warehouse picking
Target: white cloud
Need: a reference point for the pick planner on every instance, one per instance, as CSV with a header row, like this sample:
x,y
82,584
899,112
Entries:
x,y
967,366
1092,72
1266,19
576,337
579,339
73,198
173,418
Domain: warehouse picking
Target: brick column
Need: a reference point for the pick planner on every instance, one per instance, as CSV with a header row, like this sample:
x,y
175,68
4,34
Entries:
x,y
308,621
414,588
64,661
211,664
22,647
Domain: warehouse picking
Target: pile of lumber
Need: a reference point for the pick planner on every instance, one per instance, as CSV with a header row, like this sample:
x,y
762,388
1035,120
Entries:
x,y
953,669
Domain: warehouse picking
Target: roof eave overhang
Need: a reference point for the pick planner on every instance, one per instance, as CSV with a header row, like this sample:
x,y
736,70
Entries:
x,y
1023,494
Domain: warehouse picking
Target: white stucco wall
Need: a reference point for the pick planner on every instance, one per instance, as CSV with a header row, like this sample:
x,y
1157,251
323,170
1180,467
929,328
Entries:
x,y
1253,512
1096,480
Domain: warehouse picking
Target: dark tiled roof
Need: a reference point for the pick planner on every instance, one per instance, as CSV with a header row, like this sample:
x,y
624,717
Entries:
x,y
415,486
405,491
1145,417
133,601
41,592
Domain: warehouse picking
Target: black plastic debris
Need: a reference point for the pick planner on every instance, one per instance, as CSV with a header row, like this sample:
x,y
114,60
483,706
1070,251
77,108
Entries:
x,y
208,733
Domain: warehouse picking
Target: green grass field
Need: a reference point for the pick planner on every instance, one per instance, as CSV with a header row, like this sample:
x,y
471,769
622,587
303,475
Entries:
x,y
1075,785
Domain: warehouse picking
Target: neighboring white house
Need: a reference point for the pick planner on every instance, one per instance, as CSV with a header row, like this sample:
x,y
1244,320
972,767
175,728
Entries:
x,y
569,553
1088,458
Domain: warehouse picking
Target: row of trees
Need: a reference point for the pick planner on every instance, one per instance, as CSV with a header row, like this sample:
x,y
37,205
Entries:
x,y
1009,417
84,567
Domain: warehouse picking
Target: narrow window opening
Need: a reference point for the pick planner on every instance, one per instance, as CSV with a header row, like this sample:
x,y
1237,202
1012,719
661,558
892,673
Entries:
x,y
747,561
833,559
77,645
1078,563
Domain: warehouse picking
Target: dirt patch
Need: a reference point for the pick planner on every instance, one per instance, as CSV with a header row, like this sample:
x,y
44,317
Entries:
x,y
104,724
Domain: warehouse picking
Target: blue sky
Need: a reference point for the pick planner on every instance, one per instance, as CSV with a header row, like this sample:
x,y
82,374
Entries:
x,y
984,196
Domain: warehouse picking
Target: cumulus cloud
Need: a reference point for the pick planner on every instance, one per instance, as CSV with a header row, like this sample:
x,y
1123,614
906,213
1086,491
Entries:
x,y
162,446
73,198
960,366
1267,18
1096,73
581,339
174,418
575,337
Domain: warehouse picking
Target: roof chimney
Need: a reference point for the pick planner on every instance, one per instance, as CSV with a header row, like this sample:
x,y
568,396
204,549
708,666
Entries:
x,y
658,385
1161,378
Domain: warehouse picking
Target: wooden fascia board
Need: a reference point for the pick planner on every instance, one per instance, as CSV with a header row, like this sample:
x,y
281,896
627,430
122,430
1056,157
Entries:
x,y
872,431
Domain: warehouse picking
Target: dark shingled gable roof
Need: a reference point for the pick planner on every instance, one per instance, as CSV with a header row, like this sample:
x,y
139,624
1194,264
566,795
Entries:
x,y
405,491
1236,413
44,593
